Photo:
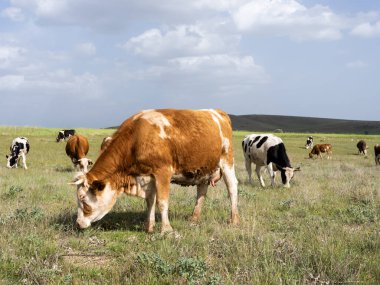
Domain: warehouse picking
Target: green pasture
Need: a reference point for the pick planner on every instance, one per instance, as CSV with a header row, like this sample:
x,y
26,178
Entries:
x,y
325,229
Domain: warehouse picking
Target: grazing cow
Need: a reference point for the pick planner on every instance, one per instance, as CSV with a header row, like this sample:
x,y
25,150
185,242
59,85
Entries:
x,y
318,149
65,134
105,143
362,147
377,154
19,149
309,142
152,149
77,148
267,150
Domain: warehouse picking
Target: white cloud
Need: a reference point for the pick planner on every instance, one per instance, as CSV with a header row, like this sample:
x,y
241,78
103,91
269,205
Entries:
x,y
357,64
367,30
10,82
87,49
13,13
10,55
289,18
180,41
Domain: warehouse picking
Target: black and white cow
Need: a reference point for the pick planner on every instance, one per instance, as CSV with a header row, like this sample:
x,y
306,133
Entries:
x,y
267,150
309,142
19,148
65,134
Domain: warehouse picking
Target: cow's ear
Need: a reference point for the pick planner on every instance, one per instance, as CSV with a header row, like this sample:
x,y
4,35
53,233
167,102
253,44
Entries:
x,y
98,185
297,168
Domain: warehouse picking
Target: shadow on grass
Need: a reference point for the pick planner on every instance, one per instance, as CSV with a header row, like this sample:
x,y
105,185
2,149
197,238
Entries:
x,y
128,221
63,169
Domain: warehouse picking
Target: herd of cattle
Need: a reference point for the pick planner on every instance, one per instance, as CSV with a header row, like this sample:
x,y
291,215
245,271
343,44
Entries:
x,y
154,148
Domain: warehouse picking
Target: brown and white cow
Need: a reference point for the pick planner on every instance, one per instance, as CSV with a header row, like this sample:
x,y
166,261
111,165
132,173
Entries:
x,y
318,149
105,143
77,148
152,149
362,147
377,154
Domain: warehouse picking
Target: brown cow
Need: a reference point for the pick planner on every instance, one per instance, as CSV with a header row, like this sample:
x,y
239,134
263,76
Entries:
x,y
362,147
377,154
77,148
152,149
318,149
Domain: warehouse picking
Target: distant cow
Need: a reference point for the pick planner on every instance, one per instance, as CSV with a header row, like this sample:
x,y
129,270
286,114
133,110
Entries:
x,y
318,149
64,134
362,147
19,149
152,149
77,148
377,154
265,150
309,142
105,143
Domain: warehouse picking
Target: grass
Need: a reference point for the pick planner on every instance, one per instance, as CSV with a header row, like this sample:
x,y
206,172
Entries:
x,y
323,230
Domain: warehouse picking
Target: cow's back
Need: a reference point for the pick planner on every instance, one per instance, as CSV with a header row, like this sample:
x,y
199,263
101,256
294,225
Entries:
x,y
77,146
186,140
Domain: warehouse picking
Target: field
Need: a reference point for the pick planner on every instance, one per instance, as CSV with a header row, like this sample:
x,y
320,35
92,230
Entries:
x,y
325,229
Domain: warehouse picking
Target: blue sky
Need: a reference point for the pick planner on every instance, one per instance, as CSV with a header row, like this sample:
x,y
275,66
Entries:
x,y
91,63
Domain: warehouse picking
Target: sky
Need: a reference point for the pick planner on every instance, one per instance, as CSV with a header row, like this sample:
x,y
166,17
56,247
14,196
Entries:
x,y
94,63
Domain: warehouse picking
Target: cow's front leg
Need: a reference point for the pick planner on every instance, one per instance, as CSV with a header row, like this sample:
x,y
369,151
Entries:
x,y
272,174
150,203
162,192
248,168
258,172
201,194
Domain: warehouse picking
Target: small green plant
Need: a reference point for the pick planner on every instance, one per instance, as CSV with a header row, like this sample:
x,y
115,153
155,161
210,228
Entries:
x,y
155,261
192,269
13,191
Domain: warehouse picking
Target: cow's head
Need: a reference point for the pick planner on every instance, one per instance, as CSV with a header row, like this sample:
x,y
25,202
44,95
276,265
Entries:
x,y
82,163
287,174
95,199
11,160
60,136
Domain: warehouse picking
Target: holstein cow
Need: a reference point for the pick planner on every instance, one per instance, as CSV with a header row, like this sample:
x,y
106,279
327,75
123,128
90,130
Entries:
x,y
362,147
267,150
77,148
318,149
19,149
105,143
64,134
309,142
377,154
152,149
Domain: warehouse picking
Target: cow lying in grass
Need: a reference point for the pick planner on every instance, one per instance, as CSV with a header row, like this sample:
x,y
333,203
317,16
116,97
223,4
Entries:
x,y
152,149
318,149
267,150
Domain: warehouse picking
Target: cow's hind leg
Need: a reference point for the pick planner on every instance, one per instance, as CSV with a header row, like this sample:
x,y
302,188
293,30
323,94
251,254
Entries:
x,y
162,192
150,203
201,194
231,183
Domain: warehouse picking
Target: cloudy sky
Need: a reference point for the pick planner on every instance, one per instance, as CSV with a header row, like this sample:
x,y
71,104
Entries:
x,y
94,63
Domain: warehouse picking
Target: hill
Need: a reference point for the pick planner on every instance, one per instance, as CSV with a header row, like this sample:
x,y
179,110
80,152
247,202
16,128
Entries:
x,y
295,124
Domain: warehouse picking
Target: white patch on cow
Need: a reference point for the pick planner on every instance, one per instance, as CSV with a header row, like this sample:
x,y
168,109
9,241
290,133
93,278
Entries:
x,y
158,119
225,141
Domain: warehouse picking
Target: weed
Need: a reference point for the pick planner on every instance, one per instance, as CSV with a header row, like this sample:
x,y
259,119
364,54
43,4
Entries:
x,y
13,191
